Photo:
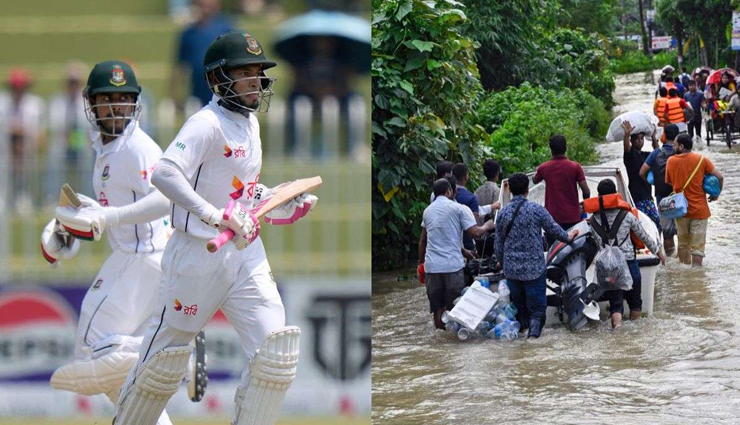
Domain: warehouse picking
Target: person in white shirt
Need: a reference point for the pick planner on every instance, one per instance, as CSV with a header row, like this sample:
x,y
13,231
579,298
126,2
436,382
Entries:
x,y
120,303
22,127
215,160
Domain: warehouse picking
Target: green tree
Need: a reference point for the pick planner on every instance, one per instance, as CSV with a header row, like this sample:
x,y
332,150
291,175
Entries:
x,y
425,87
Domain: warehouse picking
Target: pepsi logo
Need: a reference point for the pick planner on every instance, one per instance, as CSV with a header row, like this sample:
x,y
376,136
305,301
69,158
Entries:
x,y
37,332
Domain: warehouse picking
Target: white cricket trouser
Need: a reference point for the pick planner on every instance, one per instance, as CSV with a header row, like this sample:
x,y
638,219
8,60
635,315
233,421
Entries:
x,y
120,301
196,283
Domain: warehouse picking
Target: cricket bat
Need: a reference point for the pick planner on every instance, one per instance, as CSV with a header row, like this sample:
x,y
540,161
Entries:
x,y
67,198
283,194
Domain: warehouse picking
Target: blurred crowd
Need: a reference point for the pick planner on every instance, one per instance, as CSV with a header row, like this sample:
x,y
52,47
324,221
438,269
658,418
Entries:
x,y
46,141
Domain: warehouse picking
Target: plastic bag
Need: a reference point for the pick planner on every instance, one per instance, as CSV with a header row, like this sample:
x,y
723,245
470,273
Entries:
x,y
612,271
640,121
711,185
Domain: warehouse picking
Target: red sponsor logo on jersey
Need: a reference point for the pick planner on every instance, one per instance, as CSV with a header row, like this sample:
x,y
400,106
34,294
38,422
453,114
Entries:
x,y
102,199
251,186
147,173
239,186
188,310
239,152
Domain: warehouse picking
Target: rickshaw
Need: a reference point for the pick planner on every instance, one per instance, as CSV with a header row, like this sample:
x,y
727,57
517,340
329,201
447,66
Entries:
x,y
718,120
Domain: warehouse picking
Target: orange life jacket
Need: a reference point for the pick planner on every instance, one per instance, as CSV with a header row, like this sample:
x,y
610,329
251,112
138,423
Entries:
x,y
669,85
675,112
660,109
591,205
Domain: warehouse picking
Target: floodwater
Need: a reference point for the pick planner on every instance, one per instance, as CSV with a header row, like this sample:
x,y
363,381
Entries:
x,y
679,366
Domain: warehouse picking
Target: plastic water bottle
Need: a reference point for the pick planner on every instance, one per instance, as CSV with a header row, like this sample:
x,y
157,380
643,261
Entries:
x,y
484,327
464,334
452,326
503,293
510,311
445,317
507,330
491,316
484,282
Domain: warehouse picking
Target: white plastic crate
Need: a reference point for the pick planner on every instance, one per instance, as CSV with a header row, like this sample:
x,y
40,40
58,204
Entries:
x,y
473,306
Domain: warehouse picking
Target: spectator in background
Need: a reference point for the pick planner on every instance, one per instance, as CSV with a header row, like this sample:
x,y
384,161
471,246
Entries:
x,y
562,178
69,156
192,46
21,131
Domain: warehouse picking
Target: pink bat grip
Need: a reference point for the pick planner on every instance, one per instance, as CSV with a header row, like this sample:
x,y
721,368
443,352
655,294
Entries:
x,y
225,236
220,240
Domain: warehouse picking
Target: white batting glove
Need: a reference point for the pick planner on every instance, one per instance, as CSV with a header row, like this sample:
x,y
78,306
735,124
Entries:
x,y
293,210
243,222
57,244
90,221
240,220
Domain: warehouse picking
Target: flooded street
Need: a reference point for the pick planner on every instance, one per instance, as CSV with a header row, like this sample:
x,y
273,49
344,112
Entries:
x,y
681,365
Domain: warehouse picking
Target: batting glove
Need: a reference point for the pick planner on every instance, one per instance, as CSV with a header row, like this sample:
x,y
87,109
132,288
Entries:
x,y
90,221
293,210
240,220
57,244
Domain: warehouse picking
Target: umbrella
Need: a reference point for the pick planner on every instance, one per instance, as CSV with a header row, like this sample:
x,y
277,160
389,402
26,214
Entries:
x,y
716,76
346,38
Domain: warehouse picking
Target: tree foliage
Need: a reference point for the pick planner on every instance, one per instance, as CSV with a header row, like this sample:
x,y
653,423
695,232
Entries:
x,y
522,119
425,86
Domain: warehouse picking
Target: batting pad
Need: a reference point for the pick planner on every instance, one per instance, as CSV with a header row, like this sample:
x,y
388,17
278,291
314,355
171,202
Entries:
x,y
272,371
95,376
156,381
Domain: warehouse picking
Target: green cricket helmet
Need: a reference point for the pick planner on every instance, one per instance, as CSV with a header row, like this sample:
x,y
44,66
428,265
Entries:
x,y
110,77
234,50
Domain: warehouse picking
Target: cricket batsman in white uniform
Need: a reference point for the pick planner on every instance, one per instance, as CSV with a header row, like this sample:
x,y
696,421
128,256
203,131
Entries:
x,y
119,306
216,158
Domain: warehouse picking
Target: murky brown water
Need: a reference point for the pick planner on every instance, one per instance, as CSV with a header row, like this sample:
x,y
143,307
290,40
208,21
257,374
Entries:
x,y
681,365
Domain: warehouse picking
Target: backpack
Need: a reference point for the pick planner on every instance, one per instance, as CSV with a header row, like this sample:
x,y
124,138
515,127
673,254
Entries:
x,y
612,271
661,159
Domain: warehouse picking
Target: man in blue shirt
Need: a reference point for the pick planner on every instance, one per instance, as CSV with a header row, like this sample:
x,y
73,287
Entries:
x,y
440,250
193,43
656,163
695,99
467,198
519,249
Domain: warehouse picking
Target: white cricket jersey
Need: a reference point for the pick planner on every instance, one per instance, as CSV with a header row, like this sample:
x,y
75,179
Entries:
x,y
220,153
122,175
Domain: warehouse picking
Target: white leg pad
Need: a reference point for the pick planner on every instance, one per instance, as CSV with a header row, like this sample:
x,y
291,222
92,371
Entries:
x,y
90,377
156,381
271,372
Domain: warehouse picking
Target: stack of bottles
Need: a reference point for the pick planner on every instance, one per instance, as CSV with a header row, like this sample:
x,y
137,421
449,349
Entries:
x,y
499,323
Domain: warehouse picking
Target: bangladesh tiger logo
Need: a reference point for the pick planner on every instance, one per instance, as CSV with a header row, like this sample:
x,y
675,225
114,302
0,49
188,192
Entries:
x,y
117,78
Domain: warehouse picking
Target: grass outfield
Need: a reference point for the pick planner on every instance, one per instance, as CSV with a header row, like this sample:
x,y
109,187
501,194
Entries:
x,y
222,421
